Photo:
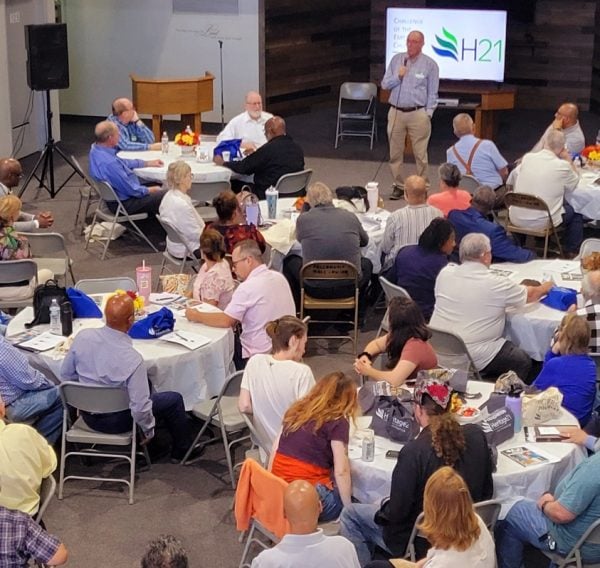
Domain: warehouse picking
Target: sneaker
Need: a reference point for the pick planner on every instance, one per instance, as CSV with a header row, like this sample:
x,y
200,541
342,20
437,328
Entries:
x,y
397,192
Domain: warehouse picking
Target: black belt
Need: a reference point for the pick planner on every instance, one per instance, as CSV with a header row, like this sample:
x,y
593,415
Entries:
x,y
406,109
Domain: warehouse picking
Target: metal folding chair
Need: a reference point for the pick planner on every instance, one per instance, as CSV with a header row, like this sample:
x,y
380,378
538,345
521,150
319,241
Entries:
x,y
188,261
293,184
49,250
390,291
357,92
106,285
469,183
452,353
16,272
590,536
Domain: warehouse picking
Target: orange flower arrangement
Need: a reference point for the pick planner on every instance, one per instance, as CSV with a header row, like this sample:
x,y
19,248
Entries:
x,y
592,152
187,138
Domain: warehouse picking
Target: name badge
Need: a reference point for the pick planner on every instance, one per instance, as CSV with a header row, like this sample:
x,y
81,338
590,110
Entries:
x,y
420,75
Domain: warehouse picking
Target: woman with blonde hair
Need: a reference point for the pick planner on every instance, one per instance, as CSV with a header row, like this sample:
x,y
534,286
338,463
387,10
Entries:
x,y
176,208
273,381
569,368
214,282
313,443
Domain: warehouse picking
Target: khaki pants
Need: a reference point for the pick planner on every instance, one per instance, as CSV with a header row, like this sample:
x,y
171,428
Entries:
x,y
418,126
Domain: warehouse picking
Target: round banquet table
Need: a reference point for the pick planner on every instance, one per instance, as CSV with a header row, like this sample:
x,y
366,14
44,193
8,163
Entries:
x,y
205,172
198,375
371,481
372,223
532,326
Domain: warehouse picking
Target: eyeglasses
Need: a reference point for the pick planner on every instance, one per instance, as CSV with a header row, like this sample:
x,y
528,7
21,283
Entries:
x,y
235,262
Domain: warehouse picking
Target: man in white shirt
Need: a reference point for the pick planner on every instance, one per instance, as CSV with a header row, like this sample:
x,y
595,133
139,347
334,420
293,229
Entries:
x,y
566,121
547,174
405,225
471,302
305,544
249,125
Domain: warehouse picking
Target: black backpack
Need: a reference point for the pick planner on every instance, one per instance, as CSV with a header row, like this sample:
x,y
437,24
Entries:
x,y
42,299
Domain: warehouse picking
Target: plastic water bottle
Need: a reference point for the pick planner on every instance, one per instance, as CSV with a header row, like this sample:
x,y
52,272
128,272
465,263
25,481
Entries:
x,y
164,143
514,403
272,194
373,195
368,446
55,317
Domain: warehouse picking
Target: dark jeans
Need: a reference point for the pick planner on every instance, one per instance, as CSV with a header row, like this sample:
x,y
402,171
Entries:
x,y
325,290
509,358
573,229
166,406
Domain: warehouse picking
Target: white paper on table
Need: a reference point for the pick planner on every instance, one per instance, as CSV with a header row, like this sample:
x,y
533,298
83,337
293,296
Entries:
x,y
42,342
548,431
188,339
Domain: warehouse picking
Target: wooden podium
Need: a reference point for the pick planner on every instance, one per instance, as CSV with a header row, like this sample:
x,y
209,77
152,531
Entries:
x,y
187,97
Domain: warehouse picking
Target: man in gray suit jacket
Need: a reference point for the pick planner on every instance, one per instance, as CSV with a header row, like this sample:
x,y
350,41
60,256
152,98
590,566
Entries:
x,y
11,173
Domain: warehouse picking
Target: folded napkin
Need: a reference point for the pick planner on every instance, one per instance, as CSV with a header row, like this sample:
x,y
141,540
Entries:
x,y
281,236
154,325
82,305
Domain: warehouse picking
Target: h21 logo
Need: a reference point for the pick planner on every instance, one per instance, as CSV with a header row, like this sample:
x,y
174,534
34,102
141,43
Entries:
x,y
483,50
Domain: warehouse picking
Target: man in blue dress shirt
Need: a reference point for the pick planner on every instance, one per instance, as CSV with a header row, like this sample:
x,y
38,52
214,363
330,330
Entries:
x,y
413,79
134,135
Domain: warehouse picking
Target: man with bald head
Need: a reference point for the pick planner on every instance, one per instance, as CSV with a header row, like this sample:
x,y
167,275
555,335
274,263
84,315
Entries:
x,y
11,173
249,126
106,166
279,156
106,356
134,135
305,544
566,121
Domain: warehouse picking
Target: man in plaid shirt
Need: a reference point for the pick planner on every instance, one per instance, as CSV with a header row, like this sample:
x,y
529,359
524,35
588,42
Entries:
x,y
590,290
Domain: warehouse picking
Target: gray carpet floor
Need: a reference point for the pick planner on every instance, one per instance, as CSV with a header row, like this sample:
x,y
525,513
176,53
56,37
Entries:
x,y
94,519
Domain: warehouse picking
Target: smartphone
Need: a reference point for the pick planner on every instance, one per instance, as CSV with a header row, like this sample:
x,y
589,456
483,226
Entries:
x,y
392,454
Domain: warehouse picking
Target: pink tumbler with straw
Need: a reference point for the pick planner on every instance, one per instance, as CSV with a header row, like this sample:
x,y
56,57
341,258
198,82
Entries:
x,y
143,276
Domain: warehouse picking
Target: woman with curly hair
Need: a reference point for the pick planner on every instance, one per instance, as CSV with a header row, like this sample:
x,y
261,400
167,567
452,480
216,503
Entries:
x,y
442,442
313,443
406,346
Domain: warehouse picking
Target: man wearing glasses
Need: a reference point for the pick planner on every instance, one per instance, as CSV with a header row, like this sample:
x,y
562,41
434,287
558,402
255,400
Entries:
x,y
11,174
263,296
134,135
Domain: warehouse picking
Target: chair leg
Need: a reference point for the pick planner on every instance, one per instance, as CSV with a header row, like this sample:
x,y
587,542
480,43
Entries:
x,y
112,230
132,465
63,456
546,244
87,241
248,543
196,439
556,237
227,448
140,232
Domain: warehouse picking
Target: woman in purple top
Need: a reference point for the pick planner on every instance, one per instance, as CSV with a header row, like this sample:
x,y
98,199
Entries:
x,y
417,266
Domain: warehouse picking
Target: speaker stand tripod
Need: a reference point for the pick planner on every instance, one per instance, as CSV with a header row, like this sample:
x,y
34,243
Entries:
x,y
46,160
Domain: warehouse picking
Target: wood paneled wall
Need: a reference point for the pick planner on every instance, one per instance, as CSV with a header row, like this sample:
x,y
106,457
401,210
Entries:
x,y
549,60
311,48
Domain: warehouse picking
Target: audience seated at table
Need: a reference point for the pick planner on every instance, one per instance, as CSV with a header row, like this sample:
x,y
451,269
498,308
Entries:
x,y
476,219
166,551
26,459
176,208
405,346
23,540
14,246
442,442
457,534
329,233
417,266
313,443
549,174
134,135
273,382
249,126
214,283
471,302
11,174
558,519
569,368
263,296
590,291
28,395
305,544
231,223
405,225
106,356
450,196
565,121
106,166
478,157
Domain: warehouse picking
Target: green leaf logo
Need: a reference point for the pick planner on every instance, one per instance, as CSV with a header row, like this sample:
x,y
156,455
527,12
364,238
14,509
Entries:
x,y
447,47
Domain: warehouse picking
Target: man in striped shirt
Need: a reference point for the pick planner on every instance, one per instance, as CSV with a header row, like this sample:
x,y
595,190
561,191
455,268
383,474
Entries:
x,y
404,226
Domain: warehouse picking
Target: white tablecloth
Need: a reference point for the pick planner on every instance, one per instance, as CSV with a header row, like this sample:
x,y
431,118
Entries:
x,y
371,481
197,375
201,172
532,326
373,224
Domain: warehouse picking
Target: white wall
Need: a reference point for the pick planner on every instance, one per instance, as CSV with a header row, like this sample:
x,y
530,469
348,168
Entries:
x,y
109,39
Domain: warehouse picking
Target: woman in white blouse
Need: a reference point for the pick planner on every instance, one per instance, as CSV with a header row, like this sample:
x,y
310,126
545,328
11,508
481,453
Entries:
x,y
176,209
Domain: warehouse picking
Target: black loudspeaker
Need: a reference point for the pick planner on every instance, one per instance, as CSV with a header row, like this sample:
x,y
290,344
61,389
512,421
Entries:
x,y
47,56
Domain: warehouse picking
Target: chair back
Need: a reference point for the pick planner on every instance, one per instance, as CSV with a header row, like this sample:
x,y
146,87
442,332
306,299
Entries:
x,y
47,491
527,201
173,234
106,191
205,192
588,247
81,171
94,398
469,183
232,385
489,512
12,271
451,351
410,546
259,437
293,183
105,285
44,245
358,91
328,270
392,290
